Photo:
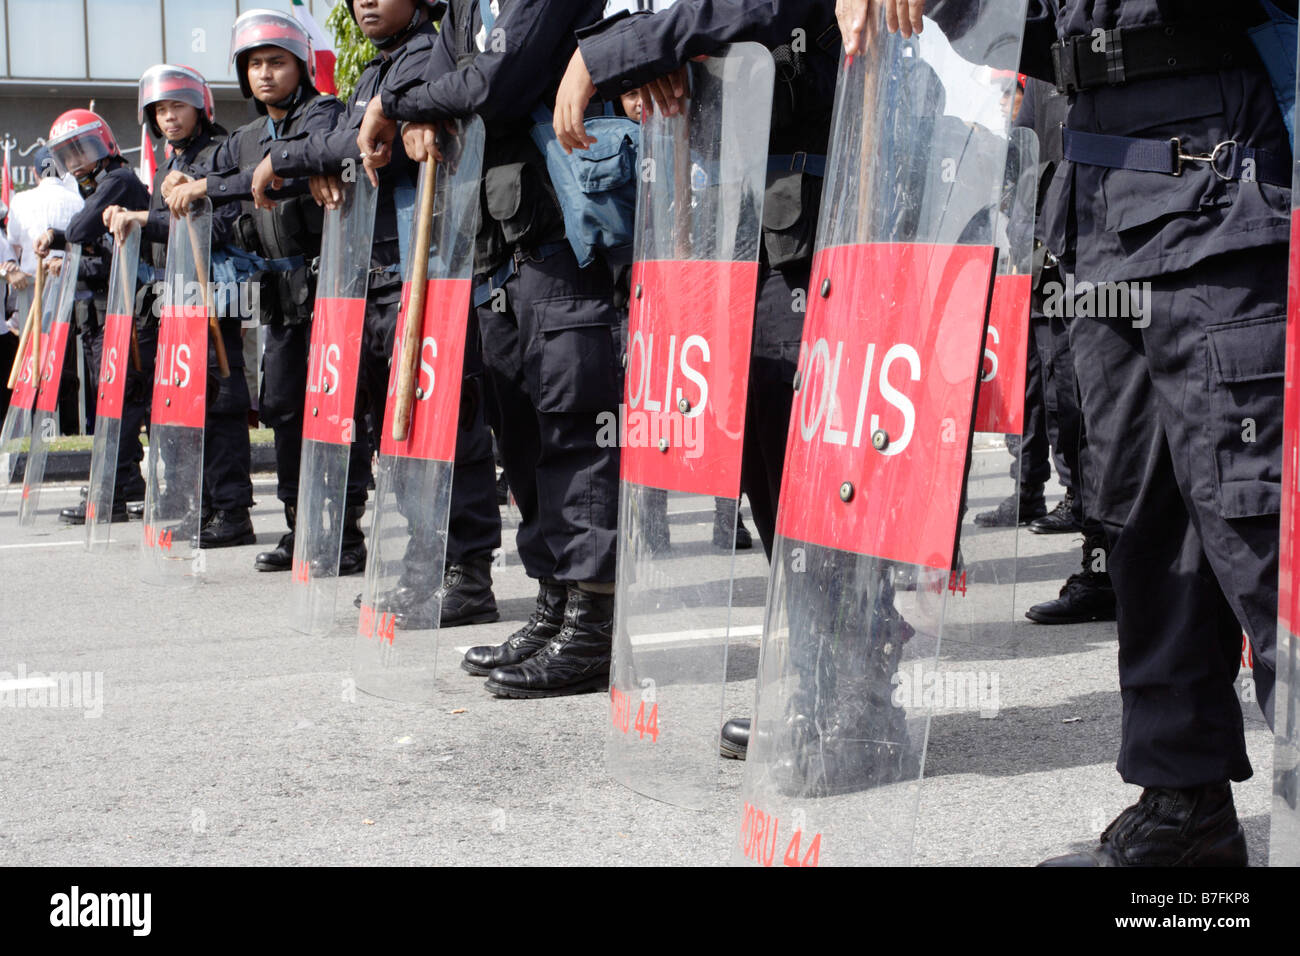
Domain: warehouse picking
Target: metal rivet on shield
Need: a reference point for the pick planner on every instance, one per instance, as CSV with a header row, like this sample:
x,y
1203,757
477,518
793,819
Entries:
x,y
846,491
880,439
683,405
638,290
826,287
663,444
314,411
178,379
327,388
167,402
419,393
798,380
625,360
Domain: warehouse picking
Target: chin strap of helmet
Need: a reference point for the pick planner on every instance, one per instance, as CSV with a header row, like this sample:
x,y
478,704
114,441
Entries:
x,y
385,43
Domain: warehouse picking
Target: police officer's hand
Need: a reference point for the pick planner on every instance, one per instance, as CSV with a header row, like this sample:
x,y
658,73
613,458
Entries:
x,y
123,220
264,177
571,99
54,265
15,276
665,93
172,180
421,142
375,139
185,193
858,19
327,190
41,245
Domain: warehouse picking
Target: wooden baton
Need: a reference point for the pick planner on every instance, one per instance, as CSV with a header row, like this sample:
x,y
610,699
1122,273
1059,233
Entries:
x,y
414,324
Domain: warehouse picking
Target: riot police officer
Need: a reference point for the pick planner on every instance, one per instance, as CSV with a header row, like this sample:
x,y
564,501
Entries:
x,y
1174,189
82,143
272,56
630,51
404,31
549,346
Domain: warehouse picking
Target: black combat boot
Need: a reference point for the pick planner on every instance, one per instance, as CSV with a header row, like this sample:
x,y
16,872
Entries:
x,y
543,624
467,596
280,558
575,661
352,556
1086,595
1020,508
1168,827
735,738
77,513
729,527
1060,520
229,529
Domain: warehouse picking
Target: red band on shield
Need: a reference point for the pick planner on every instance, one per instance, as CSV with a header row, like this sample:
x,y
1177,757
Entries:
x,y
1288,604
1001,405
113,366
688,342
435,409
180,379
880,425
52,348
24,394
332,370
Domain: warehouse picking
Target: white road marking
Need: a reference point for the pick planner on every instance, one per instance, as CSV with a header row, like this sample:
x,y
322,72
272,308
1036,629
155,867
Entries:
x,y
43,544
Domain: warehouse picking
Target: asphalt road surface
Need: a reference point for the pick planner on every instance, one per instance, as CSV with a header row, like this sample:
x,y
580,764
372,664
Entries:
x,y
194,725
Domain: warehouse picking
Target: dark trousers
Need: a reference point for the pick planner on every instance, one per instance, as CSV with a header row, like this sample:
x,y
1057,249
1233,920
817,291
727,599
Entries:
x,y
774,358
280,404
1184,430
553,364
226,453
1039,439
474,527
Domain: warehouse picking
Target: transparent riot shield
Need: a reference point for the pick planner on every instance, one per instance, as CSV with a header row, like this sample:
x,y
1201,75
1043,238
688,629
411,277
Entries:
x,y
694,284
408,539
45,412
1284,837
17,427
328,427
174,467
982,583
116,353
878,442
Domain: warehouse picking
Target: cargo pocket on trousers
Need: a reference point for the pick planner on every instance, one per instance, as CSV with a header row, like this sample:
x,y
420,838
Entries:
x,y
1247,365
511,192
578,367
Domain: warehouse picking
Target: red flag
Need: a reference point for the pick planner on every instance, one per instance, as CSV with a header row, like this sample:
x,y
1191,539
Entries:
x,y
148,165
321,48
6,180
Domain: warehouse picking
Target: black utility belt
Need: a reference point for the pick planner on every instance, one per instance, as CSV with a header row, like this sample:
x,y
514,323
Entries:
x,y
1125,54
1229,160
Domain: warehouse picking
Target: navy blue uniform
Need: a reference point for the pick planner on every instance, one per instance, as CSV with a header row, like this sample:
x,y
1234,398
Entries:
x,y
118,186
475,525
624,53
551,353
1183,402
226,482
288,238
